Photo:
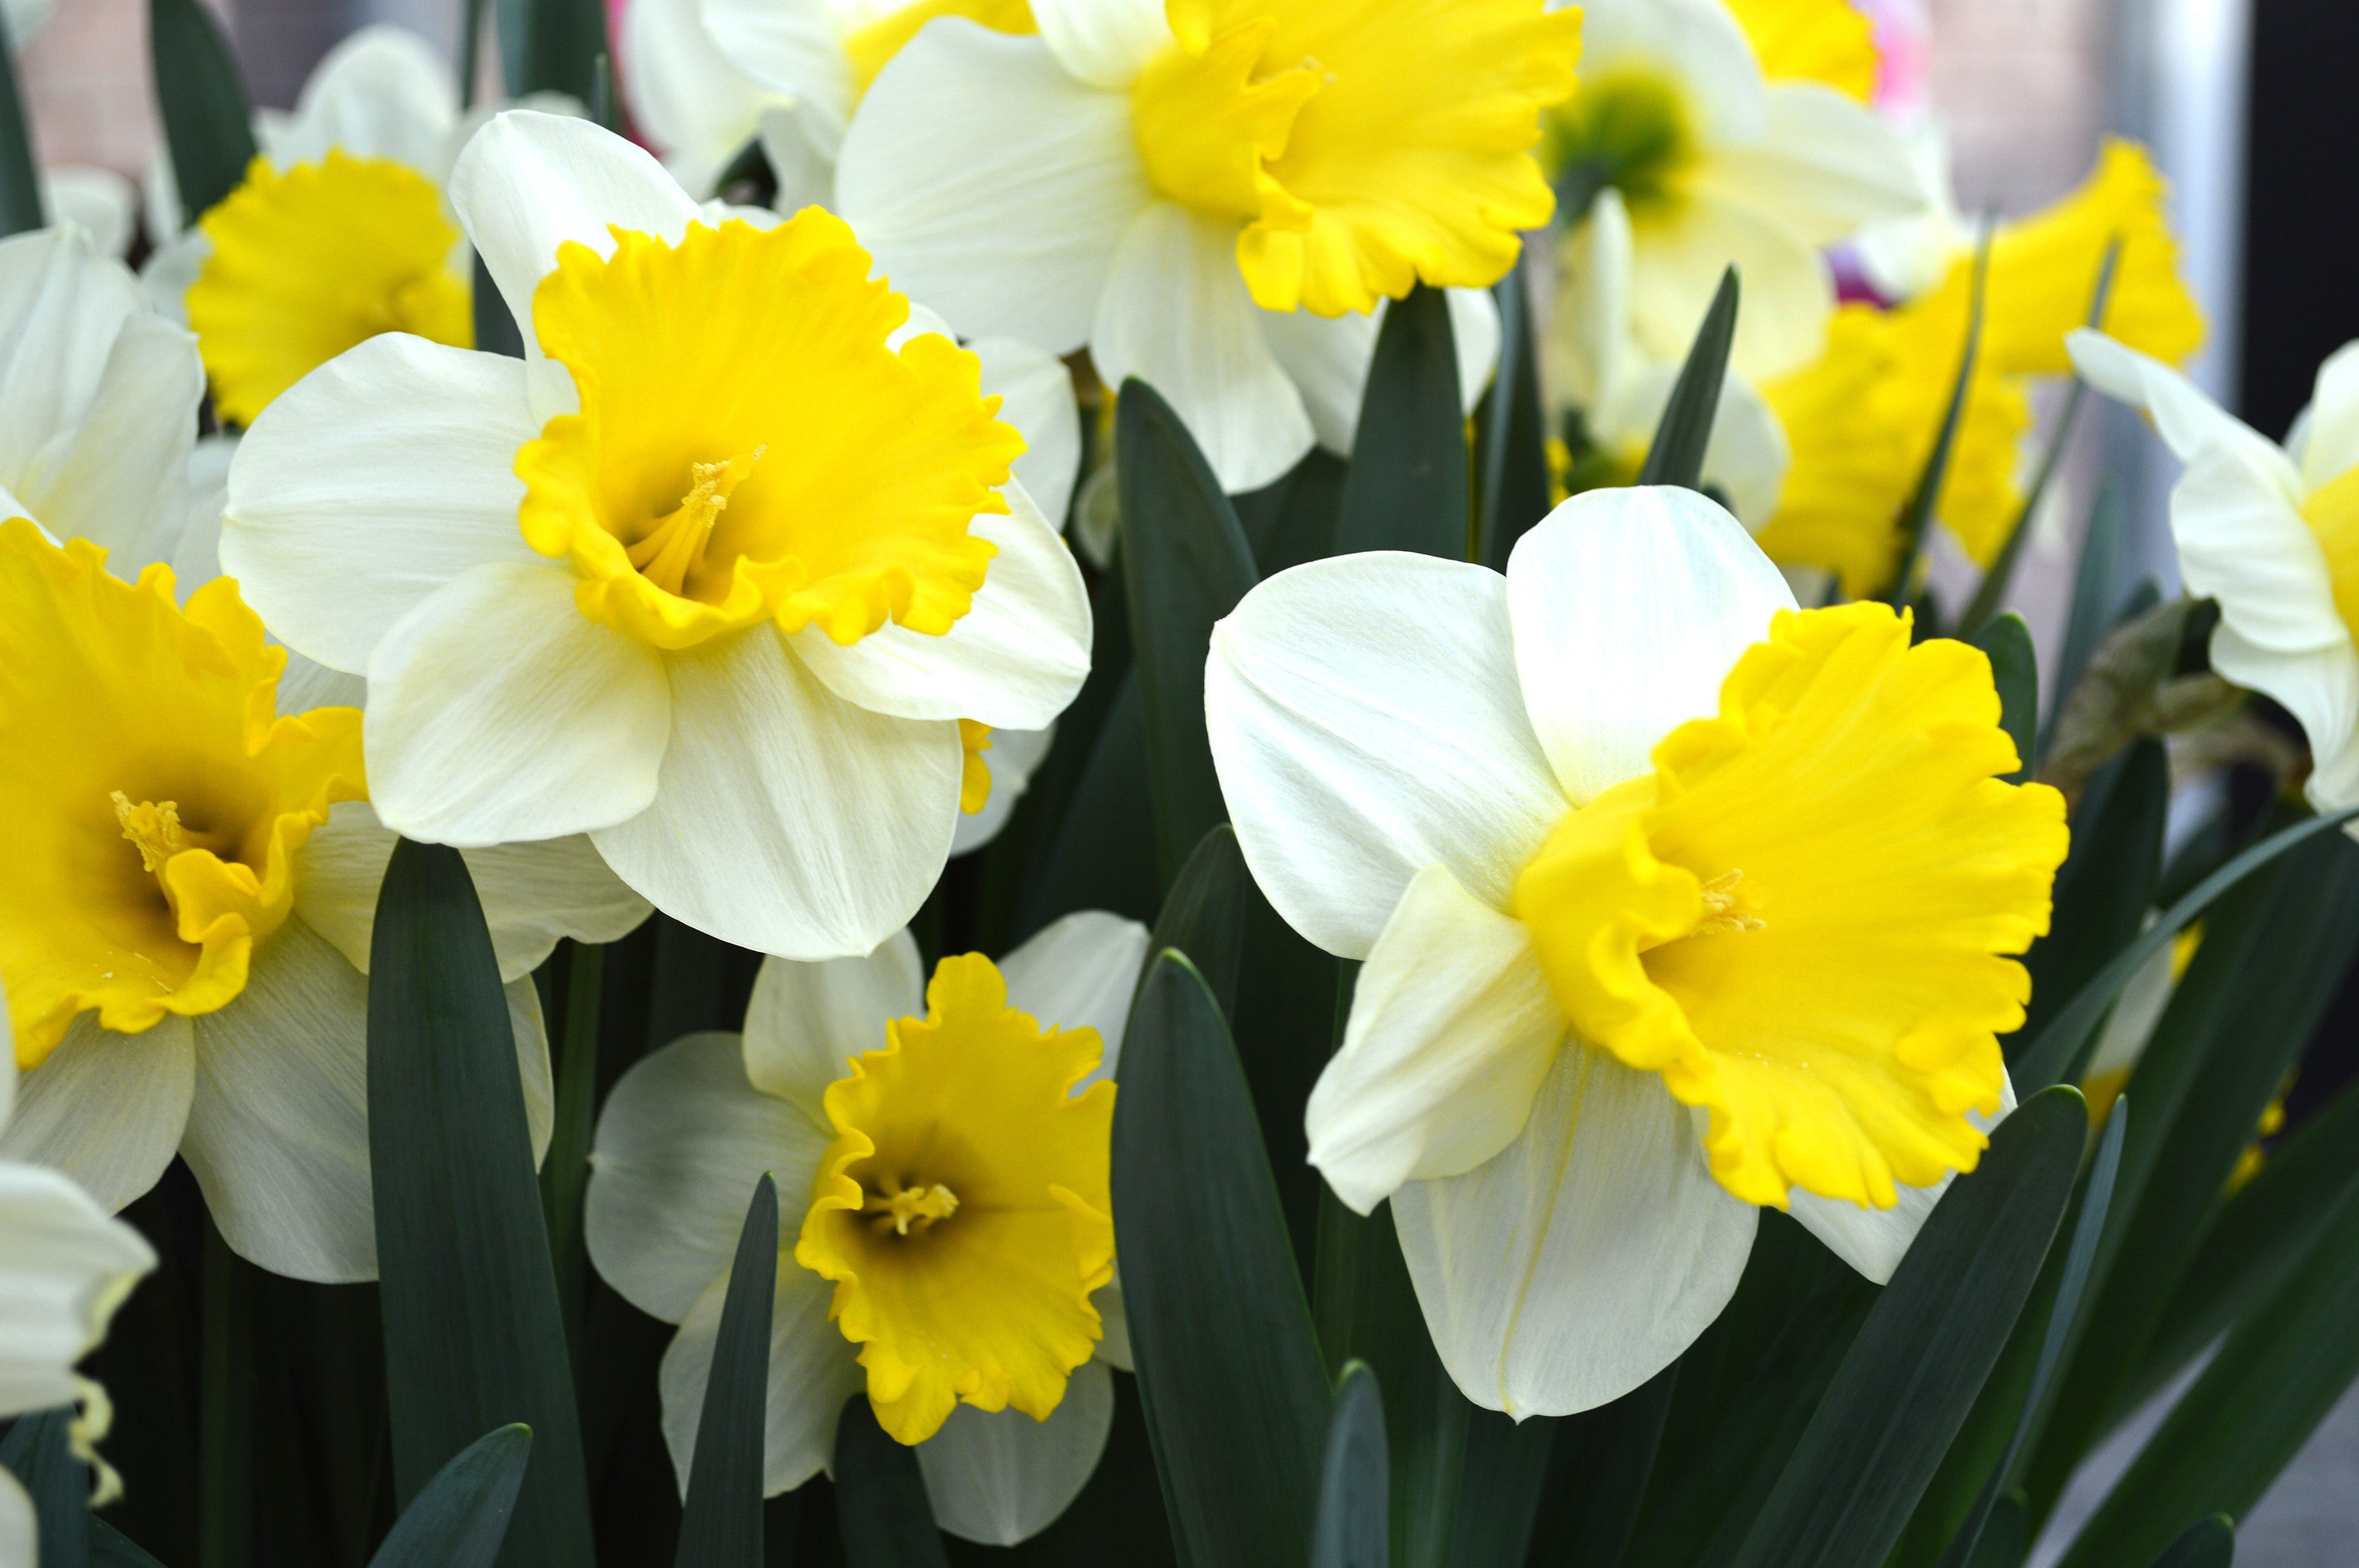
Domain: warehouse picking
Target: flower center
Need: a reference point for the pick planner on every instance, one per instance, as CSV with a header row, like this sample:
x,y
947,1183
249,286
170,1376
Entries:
x,y
1364,145
1835,1004
966,1114
126,719
308,262
853,470
1629,128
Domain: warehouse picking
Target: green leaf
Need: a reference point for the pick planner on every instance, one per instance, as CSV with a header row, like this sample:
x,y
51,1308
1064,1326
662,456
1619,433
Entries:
x,y
565,1169
1684,432
208,124
38,1453
1293,521
20,178
1916,521
1204,914
462,1517
2015,670
110,1548
472,1338
1406,488
2058,1051
1499,1494
1920,1358
496,332
1512,433
2006,1540
1104,854
2106,887
2207,1543
552,46
1598,1469
721,1523
881,1506
225,1509
1185,564
2086,1230
2096,599
1350,1528
1228,1362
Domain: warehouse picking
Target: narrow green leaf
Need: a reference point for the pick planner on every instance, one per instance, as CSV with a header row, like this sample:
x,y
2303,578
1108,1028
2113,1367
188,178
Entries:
x,y
1499,1494
1185,564
2104,889
20,166
208,124
1512,438
2015,670
1598,1468
1916,521
1350,1528
496,332
1927,1344
1406,488
552,46
2207,1543
721,1523
471,49
225,1509
1228,1362
1992,593
462,1517
2096,599
1204,914
1684,432
1105,852
37,1452
1293,521
110,1548
2058,1051
565,1169
881,1506
472,1338
2086,1230
2006,1540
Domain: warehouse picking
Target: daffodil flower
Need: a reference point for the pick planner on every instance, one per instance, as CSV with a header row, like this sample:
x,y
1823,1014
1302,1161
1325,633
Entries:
x,y
98,400
945,1239
1676,902
712,575
1722,162
65,1265
185,927
1216,200
2272,533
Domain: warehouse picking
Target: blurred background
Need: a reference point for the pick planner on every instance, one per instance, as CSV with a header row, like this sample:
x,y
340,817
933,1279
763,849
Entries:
x,y
2247,105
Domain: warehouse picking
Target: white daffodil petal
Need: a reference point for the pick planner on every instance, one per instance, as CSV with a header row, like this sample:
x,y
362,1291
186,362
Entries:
x,y
1629,605
1036,391
2241,544
65,1263
124,480
1327,360
1175,314
801,141
1697,42
2319,689
528,182
1826,165
807,1021
278,1130
170,270
1475,337
1873,1240
497,711
1790,295
61,307
2332,420
789,48
1586,1256
680,1144
533,895
1747,454
991,184
1078,972
382,92
107,1110
370,483
999,1477
1366,723
2186,419
812,1372
1452,1030
1011,757
100,201
1105,43
1014,659
698,102
788,820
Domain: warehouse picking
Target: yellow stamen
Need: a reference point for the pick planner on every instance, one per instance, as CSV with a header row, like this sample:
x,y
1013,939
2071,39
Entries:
x,y
1720,911
675,546
900,1208
153,827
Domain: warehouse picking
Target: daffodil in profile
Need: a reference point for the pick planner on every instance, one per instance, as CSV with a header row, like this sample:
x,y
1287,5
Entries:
x,y
1737,136
185,925
712,575
1214,197
1675,902
2271,534
946,1239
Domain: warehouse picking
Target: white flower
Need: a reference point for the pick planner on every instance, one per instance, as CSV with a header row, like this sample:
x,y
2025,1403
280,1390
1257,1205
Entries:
x,y
717,598
1719,166
688,1132
1107,185
99,200
1674,901
2272,533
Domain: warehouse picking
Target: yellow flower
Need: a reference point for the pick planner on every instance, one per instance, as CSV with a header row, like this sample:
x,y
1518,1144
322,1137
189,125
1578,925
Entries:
x,y
1813,41
155,800
962,1210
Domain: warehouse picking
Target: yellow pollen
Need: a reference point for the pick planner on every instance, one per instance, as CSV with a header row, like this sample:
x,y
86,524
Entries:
x,y
905,1207
153,828
1720,911
676,544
